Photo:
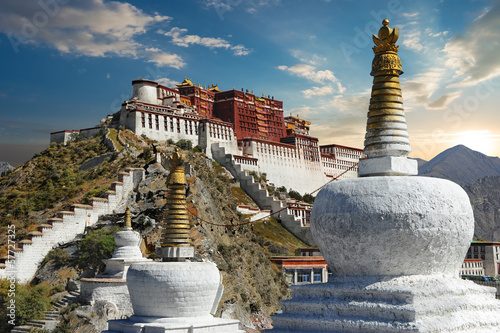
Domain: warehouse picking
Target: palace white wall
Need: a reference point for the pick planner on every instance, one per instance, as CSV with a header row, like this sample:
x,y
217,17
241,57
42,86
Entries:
x,y
286,166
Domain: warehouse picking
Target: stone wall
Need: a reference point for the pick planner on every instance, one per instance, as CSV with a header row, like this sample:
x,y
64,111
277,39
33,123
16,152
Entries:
x,y
261,197
67,225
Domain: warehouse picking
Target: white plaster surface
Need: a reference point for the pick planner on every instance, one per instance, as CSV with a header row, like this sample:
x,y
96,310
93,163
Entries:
x,y
388,166
127,245
175,252
204,324
393,226
173,289
418,303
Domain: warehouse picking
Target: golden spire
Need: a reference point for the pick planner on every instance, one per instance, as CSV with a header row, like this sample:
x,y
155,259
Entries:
x,y
386,130
128,222
176,232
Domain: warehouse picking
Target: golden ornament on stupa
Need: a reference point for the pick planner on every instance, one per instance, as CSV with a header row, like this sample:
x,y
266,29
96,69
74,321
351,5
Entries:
x,y
176,232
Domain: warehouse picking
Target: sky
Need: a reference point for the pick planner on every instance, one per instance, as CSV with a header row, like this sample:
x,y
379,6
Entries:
x,y
66,64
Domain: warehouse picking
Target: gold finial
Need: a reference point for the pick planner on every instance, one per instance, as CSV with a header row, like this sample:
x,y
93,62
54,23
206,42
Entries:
x,y
176,232
386,52
386,38
128,222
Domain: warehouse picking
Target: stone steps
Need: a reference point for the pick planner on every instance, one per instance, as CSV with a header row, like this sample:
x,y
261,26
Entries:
x,y
52,317
413,304
260,195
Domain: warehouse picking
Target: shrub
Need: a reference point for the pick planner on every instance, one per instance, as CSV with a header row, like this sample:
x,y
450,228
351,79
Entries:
x,y
59,256
197,149
30,302
97,245
281,189
184,144
294,194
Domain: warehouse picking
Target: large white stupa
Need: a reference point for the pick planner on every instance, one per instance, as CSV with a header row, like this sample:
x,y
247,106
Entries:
x,y
174,295
393,242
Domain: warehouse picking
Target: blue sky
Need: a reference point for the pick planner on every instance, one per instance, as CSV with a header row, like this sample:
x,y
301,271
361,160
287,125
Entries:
x,y
69,63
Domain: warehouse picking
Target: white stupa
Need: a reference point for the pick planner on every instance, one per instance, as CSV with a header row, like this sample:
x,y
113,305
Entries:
x,y
111,285
394,243
175,295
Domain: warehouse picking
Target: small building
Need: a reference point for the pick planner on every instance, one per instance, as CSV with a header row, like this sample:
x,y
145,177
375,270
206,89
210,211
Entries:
x,y
310,252
489,253
301,210
472,267
302,270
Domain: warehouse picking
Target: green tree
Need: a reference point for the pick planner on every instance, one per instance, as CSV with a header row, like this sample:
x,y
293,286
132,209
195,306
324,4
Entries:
x,y
294,194
97,245
184,144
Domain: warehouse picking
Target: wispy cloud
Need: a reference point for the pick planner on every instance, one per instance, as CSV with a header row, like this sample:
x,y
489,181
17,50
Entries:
x,y
84,28
317,91
167,82
474,55
419,89
309,72
180,38
250,6
442,101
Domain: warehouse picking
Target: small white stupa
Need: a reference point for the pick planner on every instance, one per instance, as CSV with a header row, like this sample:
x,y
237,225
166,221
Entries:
x,y
394,243
111,285
175,295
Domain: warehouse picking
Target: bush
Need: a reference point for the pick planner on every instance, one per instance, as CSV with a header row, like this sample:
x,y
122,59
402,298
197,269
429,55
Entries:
x,y
294,194
197,149
184,144
30,303
281,189
97,245
59,256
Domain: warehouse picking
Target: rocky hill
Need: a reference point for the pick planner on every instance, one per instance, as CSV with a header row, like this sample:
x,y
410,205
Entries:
x,y
485,199
253,286
5,167
479,175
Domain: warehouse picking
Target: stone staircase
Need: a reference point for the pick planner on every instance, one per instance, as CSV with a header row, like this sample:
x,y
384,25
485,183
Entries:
x,y
261,197
52,317
67,225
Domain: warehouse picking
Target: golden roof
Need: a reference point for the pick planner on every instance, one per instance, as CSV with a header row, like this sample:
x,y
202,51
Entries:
x,y
186,83
215,88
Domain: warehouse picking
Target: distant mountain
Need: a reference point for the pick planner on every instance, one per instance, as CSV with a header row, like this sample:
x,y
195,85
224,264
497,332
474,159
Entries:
x,y
462,165
4,167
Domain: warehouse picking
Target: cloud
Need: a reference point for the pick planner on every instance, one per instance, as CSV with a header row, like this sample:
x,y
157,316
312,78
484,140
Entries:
x,y
250,6
419,89
443,101
409,15
180,38
167,82
306,58
303,111
309,72
474,55
412,41
83,28
317,91
355,106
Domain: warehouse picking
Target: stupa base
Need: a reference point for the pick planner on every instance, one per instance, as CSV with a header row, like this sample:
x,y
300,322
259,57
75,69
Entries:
x,y
205,324
415,303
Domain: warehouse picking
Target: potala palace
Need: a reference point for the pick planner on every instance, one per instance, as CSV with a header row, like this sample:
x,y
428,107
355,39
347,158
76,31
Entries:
x,y
252,130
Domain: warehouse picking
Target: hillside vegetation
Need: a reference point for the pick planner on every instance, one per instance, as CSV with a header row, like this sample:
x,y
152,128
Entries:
x,y
63,175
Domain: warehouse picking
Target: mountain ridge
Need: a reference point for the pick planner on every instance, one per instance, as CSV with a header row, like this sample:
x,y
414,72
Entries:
x,y
462,165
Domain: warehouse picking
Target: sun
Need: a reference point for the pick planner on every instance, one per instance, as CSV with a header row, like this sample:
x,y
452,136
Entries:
x,y
481,141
